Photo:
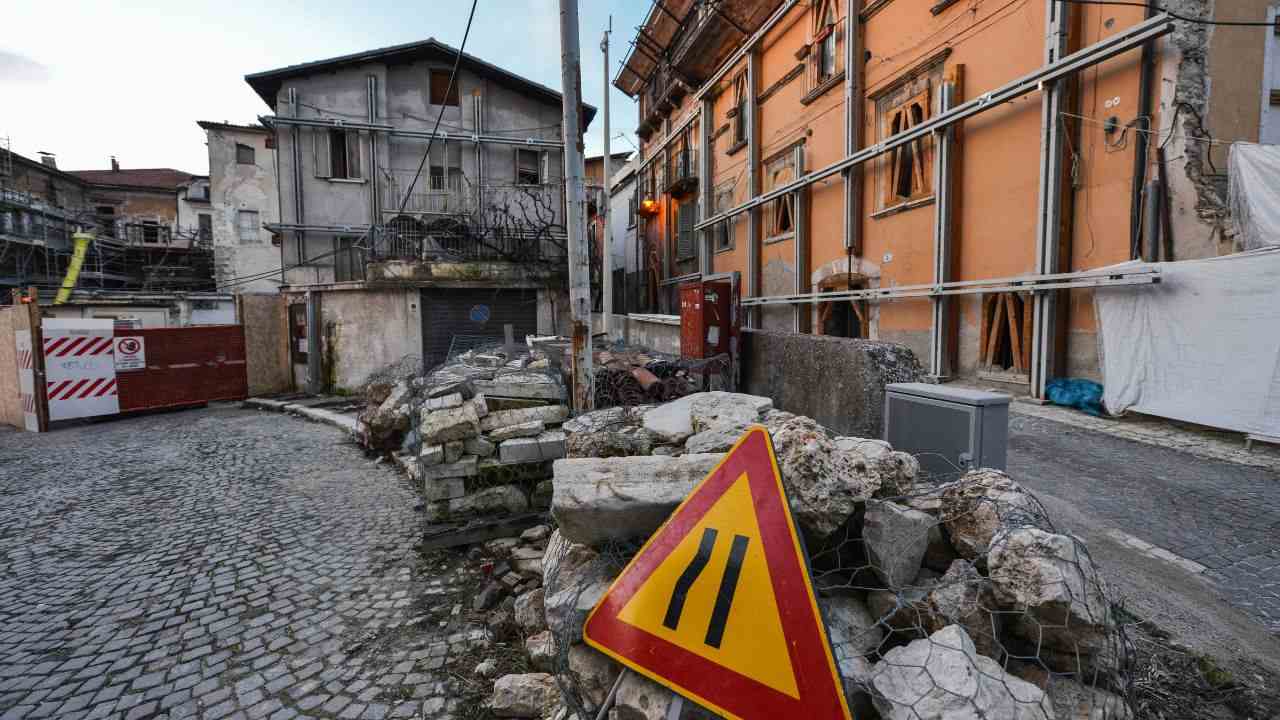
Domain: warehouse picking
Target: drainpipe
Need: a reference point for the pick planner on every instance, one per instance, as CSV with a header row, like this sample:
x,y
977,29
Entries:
x,y
1140,145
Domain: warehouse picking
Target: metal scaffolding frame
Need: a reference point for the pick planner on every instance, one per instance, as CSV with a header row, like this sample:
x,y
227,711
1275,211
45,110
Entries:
x,y
273,120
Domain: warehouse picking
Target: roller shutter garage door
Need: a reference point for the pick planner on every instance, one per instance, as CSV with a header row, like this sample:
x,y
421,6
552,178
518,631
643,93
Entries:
x,y
472,315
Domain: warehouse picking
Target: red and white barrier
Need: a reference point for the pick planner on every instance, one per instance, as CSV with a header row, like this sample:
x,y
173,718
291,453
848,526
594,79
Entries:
x,y
80,368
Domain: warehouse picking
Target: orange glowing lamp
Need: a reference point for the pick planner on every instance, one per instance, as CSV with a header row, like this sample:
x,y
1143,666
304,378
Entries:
x,y
648,207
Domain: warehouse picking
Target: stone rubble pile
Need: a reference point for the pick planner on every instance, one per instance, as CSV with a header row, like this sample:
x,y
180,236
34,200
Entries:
x,y
954,600
479,434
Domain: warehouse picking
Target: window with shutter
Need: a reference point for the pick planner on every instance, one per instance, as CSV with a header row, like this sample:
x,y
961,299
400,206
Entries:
x,y
907,167
723,233
780,220
826,35
320,153
337,154
740,108
686,216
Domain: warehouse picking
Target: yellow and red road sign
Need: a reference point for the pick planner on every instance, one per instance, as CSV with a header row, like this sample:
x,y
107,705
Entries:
x,y
718,605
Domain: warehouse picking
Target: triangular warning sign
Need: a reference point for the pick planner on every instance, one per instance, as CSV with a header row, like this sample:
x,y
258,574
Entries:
x,y
718,606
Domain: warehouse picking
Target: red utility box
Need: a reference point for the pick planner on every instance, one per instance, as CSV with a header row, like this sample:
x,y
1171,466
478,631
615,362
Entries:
x,y
709,319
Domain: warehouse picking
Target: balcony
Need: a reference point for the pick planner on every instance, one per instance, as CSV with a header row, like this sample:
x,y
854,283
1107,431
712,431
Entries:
x,y
711,31
682,173
434,195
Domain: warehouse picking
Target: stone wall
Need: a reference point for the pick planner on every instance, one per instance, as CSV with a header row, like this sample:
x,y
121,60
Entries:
x,y
837,381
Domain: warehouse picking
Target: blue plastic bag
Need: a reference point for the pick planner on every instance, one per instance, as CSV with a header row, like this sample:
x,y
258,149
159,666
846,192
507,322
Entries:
x,y
1085,395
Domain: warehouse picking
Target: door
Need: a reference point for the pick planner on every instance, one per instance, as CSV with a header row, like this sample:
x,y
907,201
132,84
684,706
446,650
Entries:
x,y
466,318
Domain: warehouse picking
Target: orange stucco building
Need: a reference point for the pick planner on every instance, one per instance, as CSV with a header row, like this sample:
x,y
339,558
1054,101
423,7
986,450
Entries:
x,y
738,98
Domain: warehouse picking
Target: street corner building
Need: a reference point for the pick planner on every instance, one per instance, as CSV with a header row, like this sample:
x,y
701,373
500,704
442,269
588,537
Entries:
x,y
390,249
950,176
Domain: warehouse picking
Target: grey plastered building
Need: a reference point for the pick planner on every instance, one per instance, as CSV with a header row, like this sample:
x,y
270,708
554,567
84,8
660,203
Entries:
x,y
403,266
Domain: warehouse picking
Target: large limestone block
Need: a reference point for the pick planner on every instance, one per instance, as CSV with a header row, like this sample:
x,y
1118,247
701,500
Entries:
x,y
441,426
619,441
592,675
894,471
530,611
675,421
964,597
942,677
548,445
599,499
530,695
497,500
546,414
822,482
533,428
718,438
541,649
1052,580
1074,701
975,507
896,538
671,422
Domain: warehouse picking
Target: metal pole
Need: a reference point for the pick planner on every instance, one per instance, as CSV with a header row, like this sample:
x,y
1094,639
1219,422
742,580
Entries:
x,y
607,252
575,205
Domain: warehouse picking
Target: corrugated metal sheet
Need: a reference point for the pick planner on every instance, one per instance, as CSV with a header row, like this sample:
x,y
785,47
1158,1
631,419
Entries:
x,y
447,312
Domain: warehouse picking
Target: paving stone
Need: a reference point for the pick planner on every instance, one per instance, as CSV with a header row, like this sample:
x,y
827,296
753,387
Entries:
x,y
228,558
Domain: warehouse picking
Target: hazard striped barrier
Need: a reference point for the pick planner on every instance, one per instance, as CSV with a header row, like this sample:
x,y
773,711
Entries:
x,y
77,346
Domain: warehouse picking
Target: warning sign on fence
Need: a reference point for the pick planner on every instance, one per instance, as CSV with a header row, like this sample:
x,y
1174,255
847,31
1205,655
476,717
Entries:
x,y
718,605
131,353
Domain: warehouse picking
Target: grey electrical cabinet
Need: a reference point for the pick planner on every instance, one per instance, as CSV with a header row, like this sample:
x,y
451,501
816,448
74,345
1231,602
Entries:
x,y
949,429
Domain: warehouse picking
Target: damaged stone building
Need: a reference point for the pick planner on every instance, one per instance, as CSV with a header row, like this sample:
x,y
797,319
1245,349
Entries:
x,y
897,171
243,199
398,251
142,227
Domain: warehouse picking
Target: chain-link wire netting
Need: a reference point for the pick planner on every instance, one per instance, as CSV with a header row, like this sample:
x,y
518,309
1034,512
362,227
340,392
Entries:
x,y
951,597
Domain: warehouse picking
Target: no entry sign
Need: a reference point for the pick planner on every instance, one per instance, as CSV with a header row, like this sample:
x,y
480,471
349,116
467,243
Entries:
x,y
131,353
718,605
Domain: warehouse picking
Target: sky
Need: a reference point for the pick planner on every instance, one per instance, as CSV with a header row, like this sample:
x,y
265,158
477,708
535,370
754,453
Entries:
x,y
88,80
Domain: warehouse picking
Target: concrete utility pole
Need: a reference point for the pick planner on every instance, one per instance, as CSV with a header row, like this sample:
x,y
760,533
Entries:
x,y
576,205
607,200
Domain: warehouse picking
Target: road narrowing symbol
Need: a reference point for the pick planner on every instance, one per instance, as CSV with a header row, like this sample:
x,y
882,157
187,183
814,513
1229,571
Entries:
x,y
718,605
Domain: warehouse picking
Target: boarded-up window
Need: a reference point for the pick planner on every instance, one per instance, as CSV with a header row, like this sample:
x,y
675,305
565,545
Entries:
x,y
441,92
904,174
528,167
1005,335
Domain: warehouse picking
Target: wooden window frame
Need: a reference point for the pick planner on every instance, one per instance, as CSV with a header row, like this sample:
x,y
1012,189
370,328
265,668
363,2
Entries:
x,y
822,33
325,149
537,167
722,234
441,94
740,108
918,153
783,205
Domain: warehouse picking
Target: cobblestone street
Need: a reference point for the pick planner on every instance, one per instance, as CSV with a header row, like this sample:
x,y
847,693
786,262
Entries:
x,y
216,563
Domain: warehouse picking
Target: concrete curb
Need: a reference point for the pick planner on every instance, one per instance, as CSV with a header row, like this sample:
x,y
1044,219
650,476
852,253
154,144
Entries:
x,y
343,422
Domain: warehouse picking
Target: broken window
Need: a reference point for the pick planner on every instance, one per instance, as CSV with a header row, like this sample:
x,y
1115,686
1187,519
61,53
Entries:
x,y
740,108
780,215
722,234
528,167
244,154
1005,335
247,225
348,260
905,172
844,318
150,231
824,54
337,154
441,92
206,227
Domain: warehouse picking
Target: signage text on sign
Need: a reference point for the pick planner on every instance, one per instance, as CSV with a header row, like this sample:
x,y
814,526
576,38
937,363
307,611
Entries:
x,y
718,604
131,353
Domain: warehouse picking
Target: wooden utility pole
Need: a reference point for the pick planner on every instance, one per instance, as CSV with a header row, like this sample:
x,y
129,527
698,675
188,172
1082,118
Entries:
x,y
576,205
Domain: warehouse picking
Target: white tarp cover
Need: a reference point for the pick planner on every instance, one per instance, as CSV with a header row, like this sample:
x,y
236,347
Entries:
x,y
1253,190
1201,346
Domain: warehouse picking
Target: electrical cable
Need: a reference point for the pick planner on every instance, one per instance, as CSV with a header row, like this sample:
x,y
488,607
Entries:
x,y
453,76
1174,15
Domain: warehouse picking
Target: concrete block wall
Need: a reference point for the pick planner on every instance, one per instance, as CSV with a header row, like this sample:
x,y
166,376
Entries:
x,y
837,381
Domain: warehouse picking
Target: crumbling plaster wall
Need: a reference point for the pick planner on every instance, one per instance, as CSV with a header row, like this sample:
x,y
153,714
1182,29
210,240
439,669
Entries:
x,y
234,187
363,331
402,100
1210,79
